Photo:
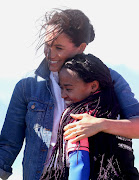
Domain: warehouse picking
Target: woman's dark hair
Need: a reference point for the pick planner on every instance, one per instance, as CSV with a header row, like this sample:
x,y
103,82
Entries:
x,y
89,68
72,22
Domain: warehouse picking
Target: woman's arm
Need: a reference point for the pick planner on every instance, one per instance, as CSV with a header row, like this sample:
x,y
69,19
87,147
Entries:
x,y
129,105
89,126
126,127
13,131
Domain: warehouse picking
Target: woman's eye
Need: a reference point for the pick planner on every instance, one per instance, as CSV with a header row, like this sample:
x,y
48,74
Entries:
x,y
59,48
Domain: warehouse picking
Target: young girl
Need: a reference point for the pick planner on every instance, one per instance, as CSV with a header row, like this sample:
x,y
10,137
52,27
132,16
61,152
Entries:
x,y
87,87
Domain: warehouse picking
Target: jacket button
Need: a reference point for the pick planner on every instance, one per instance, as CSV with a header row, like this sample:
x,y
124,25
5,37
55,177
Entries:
x,y
33,106
38,172
50,107
43,150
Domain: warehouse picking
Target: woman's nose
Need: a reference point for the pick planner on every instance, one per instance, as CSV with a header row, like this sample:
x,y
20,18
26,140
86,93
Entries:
x,y
53,53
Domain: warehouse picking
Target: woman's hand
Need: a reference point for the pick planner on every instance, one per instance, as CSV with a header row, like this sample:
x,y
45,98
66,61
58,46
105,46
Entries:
x,y
86,127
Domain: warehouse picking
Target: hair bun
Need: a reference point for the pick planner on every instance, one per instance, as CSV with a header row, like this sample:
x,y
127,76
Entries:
x,y
92,33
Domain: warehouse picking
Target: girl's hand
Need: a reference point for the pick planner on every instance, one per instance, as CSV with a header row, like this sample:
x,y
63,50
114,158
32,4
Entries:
x,y
86,127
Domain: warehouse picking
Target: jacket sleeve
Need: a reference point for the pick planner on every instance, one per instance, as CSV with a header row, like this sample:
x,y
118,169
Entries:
x,y
129,105
13,131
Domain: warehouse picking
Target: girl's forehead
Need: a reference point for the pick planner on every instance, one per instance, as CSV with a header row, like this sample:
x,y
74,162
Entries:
x,y
66,73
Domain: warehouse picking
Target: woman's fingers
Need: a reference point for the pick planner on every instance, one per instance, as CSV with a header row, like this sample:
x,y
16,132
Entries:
x,y
86,126
77,116
72,133
71,130
69,126
74,130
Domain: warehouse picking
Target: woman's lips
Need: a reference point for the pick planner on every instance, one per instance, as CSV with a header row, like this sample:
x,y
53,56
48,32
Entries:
x,y
53,62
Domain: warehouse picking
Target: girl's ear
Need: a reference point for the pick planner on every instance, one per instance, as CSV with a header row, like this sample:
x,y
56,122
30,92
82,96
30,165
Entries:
x,y
95,86
82,48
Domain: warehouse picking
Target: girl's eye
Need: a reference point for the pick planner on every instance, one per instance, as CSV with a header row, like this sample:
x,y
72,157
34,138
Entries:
x,y
69,90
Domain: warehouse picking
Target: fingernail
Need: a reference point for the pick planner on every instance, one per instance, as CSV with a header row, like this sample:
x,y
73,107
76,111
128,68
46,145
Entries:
x,y
72,141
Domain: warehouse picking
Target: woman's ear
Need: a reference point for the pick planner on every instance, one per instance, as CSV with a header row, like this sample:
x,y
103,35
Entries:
x,y
95,86
82,48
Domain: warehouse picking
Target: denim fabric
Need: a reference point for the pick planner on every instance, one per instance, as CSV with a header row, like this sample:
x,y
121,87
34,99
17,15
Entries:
x,y
30,118
129,105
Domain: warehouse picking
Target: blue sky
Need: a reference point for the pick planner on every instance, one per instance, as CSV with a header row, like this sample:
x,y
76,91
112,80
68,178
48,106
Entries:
x,y
116,43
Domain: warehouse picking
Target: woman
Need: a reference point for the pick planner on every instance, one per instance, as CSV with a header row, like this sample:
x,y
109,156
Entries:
x,y
36,105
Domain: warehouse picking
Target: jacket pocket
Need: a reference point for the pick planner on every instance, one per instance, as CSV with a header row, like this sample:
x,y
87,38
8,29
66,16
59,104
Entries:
x,y
35,115
35,106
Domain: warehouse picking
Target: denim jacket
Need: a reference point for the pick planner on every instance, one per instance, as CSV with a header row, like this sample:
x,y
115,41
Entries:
x,y
30,118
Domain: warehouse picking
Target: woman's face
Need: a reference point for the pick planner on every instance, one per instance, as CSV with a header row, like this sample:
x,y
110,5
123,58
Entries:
x,y
73,88
58,50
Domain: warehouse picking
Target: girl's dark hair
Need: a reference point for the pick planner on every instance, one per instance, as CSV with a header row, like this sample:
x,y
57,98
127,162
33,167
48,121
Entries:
x,y
102,104
90,68
72,22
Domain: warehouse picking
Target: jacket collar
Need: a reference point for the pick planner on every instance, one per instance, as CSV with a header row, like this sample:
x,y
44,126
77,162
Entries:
x,y
43,70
